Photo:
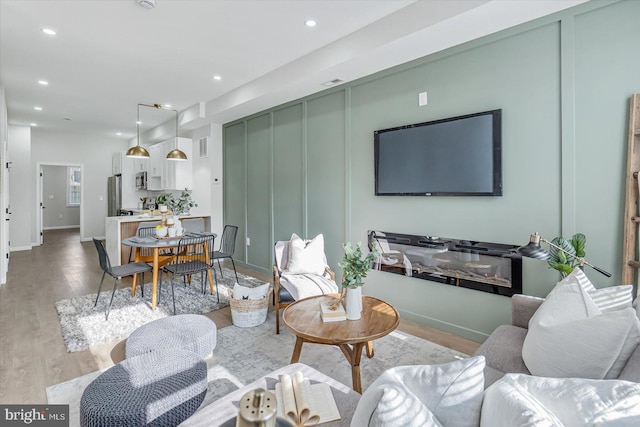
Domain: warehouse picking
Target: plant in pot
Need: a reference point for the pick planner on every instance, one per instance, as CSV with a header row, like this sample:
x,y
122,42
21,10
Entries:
x,y
565,263
354,269
165,199
184,203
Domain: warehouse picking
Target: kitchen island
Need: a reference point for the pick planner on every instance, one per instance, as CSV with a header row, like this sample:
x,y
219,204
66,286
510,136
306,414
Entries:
x,y
118,228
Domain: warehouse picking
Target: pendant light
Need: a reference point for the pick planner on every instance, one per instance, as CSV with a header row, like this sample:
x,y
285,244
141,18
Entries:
x,y
138,152
176,154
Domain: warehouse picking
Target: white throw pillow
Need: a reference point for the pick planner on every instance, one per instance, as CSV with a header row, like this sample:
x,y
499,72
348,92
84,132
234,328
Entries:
x,y
569,336
448,395
606,299
246,292
524,400
306,257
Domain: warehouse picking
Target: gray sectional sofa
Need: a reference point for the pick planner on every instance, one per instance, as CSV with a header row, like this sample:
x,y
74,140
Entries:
x,y
503,349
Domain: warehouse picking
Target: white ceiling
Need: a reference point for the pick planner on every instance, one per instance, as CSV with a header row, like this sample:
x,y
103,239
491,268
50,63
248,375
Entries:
x,y
110,55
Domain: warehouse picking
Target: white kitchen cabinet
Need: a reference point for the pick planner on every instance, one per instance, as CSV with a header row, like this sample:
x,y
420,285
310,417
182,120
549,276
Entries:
x,y
156,167
141,165
179,174
116,164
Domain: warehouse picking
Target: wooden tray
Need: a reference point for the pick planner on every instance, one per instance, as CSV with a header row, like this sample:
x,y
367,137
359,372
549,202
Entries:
x,y
167,237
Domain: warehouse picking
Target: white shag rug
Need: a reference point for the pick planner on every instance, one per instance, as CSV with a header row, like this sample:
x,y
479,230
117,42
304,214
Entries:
x,y
84,325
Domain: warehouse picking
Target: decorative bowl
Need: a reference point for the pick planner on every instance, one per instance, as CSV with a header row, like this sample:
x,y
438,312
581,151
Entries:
x,y
161,231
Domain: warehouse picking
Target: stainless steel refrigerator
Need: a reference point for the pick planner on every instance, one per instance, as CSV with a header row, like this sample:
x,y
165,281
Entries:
x,y
114,194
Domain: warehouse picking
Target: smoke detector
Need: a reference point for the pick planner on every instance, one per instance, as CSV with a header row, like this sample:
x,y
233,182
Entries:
x,y
147,4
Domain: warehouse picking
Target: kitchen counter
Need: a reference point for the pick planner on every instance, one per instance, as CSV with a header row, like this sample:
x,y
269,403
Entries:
x,y
118,228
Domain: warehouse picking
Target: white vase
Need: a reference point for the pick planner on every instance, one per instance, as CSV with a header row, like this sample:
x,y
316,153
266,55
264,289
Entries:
x,y
354,303
176,222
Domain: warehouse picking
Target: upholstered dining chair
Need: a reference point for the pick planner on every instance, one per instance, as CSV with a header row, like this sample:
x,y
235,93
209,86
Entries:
x,y
190,260
300,271
116,272
227,247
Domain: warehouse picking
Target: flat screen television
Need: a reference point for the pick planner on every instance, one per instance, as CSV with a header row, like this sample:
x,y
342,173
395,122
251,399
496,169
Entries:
x,y
458,156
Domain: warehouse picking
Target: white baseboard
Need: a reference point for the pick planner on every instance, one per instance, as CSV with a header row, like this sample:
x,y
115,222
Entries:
x,y
20,248
61,227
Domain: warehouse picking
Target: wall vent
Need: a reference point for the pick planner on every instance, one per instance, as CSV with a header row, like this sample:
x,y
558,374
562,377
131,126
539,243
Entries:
x,y
332,82
204,147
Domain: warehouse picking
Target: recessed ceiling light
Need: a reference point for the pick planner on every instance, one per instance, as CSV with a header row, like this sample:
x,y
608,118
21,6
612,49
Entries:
x,y
310,23
43,82
49,31
119,133
217,77
37,108
147,4
34,124
166,105
138,123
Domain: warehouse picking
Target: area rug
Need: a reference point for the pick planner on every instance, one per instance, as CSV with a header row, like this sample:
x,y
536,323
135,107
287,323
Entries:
x,y
84,325
242,355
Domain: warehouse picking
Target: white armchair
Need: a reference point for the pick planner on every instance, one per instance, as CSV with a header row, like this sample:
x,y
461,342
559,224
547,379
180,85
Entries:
x,y
300,271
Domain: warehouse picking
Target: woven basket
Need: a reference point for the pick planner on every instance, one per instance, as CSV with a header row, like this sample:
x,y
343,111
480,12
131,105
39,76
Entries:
x,y
246,313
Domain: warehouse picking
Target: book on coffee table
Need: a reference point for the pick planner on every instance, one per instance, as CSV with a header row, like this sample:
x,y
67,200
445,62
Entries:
x,y
329,315
303,403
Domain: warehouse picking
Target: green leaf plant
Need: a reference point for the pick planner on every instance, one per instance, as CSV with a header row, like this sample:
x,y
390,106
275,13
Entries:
x,y
562,262
354,267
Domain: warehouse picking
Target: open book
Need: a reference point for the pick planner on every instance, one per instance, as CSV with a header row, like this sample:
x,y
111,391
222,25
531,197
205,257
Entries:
x,y
303,403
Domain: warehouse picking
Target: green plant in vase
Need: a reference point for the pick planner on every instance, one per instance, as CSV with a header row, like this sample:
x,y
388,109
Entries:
x,y
354,269
184,203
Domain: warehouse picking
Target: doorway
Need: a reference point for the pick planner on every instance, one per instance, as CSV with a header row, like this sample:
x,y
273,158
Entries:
x,y
59,195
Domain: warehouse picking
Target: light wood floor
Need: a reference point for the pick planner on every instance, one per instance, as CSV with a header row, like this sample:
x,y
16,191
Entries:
x,y
32,353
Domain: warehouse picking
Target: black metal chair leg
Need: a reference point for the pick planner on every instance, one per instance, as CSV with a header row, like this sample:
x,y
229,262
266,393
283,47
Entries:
x,y
115,285
220,268
142,286
99,288
234,269
173,295
215,280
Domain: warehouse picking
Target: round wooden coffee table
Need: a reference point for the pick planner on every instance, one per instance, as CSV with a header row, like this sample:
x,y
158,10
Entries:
x,y
303,319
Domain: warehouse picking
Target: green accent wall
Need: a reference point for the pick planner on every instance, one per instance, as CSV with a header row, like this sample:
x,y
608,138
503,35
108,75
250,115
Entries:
x,y
563,84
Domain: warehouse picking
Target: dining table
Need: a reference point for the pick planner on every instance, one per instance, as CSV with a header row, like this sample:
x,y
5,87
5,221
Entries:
x,y
162,254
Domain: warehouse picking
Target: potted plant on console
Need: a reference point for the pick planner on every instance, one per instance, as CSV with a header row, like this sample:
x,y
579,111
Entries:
x,y
354,269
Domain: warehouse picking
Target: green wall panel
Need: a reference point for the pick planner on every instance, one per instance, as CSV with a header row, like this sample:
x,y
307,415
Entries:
x,y
234,183
607,72
258,191
326,173
494,75
288,176
563,84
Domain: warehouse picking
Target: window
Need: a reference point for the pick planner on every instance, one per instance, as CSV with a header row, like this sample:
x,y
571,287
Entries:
x,y
73,186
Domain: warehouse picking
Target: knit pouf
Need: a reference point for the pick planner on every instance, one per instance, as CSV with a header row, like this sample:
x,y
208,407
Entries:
x,y
161,388
193,332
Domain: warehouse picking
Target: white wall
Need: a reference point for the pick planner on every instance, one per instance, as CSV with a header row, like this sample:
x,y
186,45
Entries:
x,y
57,213
21,188
4,189
94,153
207,175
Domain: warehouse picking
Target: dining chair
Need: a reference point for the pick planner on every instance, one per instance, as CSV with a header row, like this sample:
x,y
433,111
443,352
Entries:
x,y
193,225
227,247
116,272
190,260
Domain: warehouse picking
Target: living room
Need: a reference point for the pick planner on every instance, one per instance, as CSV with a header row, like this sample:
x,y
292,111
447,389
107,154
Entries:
x,y
563,83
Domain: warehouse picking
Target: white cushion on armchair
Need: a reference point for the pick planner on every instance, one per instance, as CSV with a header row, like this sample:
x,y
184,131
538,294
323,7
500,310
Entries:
x,y
447,395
